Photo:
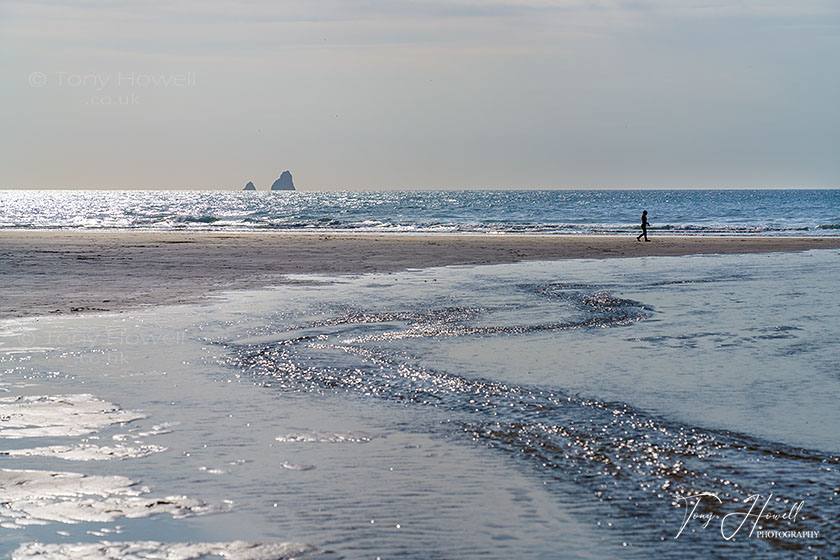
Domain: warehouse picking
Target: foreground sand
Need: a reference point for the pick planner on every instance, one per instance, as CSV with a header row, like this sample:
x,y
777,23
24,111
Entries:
x,y
69,272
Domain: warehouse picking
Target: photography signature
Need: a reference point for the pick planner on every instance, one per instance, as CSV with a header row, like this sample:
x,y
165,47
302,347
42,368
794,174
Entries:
x,y
755,509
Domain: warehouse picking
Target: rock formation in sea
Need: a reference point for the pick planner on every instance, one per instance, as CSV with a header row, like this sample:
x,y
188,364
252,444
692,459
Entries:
x,y
250,187
284,183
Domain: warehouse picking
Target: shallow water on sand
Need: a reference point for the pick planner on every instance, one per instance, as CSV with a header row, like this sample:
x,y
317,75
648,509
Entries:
x,y
569,409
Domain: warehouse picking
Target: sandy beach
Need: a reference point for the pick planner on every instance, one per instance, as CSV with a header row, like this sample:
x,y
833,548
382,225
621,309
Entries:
x,y
420,281
400,411
72,272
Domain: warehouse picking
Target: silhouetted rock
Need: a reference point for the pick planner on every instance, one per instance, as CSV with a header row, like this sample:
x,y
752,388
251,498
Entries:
x,y
284,183
250,187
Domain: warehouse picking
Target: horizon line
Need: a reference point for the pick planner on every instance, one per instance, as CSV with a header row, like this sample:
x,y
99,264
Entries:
x,y
407,189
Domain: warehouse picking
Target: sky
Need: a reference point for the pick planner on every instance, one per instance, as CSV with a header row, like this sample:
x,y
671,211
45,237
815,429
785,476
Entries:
x,y
396,94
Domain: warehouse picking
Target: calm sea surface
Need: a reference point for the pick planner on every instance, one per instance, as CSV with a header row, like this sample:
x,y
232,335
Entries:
x,y
718,212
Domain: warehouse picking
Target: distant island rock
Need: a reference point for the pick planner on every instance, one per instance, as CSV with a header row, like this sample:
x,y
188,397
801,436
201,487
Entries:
x,y
250,187
284,183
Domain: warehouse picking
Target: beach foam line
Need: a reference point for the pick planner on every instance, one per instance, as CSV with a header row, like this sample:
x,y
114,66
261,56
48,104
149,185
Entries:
x,y
297,467
59,415
156,430
325,437
87,452
33,497
147,550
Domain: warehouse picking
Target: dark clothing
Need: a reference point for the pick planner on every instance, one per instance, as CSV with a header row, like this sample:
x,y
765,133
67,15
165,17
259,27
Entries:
x,y
645,225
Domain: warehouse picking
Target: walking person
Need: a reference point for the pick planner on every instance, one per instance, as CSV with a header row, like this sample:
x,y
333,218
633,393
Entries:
x,y
645,225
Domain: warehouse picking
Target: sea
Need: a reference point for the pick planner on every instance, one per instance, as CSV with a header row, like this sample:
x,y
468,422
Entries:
x,y
651,407
610,212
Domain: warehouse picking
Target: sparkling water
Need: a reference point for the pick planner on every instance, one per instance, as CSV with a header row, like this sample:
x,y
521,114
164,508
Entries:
x,y
682,212
569,409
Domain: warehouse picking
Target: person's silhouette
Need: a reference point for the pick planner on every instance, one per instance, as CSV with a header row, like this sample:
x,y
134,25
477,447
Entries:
x,y
645,225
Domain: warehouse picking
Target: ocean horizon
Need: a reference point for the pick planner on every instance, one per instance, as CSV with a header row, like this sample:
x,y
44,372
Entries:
x,y
549,282
716,212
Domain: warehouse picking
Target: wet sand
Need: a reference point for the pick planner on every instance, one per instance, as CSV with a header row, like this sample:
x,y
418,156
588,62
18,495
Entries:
x,y
73,272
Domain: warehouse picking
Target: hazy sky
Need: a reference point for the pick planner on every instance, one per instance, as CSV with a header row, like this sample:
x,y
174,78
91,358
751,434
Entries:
x,y
416,94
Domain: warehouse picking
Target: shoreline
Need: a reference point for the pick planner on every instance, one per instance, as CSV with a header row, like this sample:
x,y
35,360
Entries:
x,y
60,272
